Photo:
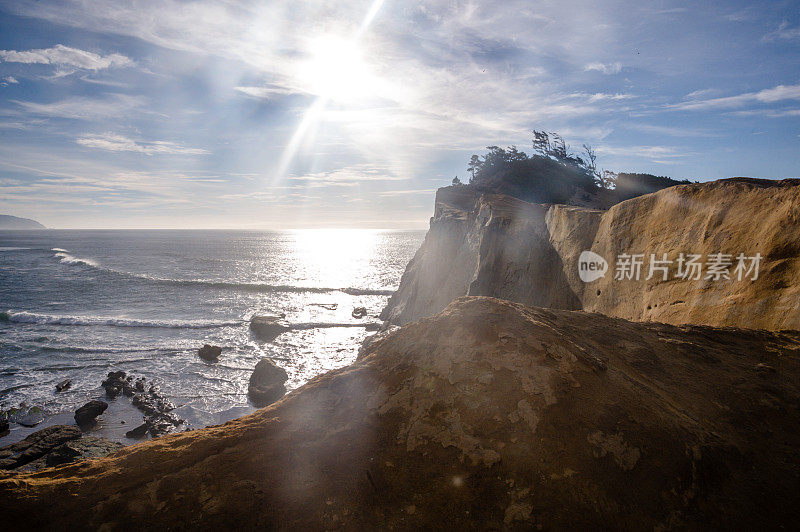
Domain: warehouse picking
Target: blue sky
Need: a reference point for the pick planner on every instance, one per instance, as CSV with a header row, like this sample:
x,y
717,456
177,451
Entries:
x,y
350,114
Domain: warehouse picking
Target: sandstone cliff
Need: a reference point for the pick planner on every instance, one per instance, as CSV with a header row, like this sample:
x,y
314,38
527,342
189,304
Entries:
x,y
504,247
489,415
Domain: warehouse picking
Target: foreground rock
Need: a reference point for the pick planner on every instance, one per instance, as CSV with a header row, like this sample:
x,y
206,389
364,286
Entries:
x,y
37,445
80,449
490,415
209,353
491,245
52,446
86,415
267,383
156,409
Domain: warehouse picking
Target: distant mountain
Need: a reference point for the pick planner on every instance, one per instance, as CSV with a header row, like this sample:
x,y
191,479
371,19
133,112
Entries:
x,y
12,222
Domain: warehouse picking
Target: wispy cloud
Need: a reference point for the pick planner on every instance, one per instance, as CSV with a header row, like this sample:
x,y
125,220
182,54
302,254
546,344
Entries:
x,y
769,113
113,142
347,176
65,58
605,68
657,154
775,94
8,80
263,92
83,108
783,32
419,191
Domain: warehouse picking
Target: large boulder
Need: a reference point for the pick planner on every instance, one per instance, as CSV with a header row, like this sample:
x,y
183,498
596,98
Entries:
x,y
267,328
85,415
209,353
488,416
267,383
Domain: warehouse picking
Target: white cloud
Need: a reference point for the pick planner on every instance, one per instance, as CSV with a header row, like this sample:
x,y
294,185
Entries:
x,y
65,58
605,68
113,142
9,80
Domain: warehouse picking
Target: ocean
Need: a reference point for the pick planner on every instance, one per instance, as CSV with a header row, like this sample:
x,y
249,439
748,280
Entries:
x,y
79,304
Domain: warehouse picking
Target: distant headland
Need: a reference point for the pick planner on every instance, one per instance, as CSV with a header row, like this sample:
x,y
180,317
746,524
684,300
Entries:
x,y
13,222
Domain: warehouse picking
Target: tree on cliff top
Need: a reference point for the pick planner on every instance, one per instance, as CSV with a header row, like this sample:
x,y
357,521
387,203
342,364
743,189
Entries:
x,y
552,175
555,174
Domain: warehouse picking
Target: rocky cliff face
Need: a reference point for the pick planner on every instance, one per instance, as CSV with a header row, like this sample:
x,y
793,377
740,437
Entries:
x,y
489,415
503,247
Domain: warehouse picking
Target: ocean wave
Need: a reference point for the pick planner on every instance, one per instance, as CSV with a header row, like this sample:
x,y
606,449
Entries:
x,y
66,258
49,319
12,248
60,250
106,350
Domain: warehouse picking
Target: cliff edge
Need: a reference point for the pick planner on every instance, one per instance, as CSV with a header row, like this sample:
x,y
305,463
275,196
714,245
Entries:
x,y
499,246
488,415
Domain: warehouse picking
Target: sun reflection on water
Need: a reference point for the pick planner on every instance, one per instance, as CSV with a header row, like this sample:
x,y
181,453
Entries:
x,y
337,258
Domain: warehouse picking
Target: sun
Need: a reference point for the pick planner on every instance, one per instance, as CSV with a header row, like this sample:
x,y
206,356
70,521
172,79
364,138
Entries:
x,y
336,70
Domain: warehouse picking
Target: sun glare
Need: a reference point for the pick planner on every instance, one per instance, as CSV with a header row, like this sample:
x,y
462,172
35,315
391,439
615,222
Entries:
x,y
336,70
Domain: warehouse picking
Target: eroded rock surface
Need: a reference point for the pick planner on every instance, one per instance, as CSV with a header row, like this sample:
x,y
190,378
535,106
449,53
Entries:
x,y
489,415
503,247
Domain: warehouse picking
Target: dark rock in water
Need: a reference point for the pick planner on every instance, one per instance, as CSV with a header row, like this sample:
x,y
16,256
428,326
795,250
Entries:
x,y
155,407
37,445
3,426
85,415
268,328
359,312
138,432
209,353
267,383
114,384
63,385
32,418
86,447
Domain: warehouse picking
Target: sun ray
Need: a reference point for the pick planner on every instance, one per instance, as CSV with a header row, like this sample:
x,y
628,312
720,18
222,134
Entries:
x,y
324,81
